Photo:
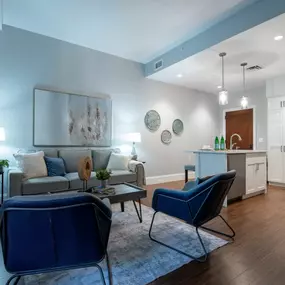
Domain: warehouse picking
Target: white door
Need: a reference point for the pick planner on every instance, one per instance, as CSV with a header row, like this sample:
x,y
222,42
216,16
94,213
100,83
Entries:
x,y
275,139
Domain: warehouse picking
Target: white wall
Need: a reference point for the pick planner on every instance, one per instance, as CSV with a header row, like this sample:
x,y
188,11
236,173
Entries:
x,y
29,60
257,98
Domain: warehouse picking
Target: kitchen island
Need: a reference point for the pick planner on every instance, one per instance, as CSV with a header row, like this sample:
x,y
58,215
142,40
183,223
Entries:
x,y
251,178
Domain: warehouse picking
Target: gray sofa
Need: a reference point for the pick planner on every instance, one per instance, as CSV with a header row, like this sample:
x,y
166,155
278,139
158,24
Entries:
x,y
17,185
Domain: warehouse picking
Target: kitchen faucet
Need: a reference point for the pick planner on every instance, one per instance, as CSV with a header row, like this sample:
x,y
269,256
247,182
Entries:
x,y
231,140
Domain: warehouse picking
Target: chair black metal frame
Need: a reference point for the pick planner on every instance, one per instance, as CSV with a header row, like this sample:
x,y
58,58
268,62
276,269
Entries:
x,y
197,225
18,275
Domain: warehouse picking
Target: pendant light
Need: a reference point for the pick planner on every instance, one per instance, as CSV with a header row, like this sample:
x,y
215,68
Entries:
x,y
223,94
244,99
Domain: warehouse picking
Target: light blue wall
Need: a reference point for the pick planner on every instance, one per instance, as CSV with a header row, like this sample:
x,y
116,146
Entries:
x,y
29,60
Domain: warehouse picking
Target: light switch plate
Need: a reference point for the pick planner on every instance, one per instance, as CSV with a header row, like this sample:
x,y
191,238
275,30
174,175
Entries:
x,y
261,140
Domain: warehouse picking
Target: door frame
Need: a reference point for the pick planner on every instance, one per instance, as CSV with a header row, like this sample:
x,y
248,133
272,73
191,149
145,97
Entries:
x,y
253,122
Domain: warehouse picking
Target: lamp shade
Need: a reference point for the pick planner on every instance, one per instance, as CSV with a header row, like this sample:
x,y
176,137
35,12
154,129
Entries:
x,y
2,134
133,137
223,97
244,102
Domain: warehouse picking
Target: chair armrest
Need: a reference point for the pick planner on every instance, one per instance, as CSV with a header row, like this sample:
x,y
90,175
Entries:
x,y
138,168
167,193
173,203
14,182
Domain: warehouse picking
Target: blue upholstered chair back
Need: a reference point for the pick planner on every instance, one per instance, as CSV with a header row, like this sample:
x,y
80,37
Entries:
x,y
54,232
209,197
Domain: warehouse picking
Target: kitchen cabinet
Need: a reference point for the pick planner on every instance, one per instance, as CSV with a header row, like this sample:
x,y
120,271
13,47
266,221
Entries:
x,y
276,140
255,174
250,166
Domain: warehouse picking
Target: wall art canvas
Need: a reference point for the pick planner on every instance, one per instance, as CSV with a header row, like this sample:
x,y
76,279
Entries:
x,y
62,119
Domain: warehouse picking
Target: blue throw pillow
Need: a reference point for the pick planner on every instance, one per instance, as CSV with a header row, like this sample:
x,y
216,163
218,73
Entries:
x,y
55,166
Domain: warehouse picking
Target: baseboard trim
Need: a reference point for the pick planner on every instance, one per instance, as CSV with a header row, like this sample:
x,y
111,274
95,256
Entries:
x,y
278,184
168,178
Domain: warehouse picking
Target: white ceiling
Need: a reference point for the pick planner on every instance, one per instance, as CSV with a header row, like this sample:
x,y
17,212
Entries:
x,y
255,46
138,30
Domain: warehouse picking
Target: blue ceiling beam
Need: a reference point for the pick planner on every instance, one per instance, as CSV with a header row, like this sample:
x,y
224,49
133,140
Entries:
x,y
248,17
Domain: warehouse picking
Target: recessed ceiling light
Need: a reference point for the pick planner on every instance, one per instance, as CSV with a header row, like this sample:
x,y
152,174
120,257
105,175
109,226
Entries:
x,y
219,87
278,38
179,75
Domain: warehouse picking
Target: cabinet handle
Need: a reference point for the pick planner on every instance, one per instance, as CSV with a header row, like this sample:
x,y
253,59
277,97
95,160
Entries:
x,y
281,104
283,148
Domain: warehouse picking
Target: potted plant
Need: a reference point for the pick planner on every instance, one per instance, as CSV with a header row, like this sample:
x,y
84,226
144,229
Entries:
x,y
3,163
103,175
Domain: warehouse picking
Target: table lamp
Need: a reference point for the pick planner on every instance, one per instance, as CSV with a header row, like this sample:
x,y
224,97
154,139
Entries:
x,y
134,137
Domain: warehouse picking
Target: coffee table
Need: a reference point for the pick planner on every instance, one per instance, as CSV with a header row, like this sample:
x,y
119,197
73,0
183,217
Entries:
x,y
126,192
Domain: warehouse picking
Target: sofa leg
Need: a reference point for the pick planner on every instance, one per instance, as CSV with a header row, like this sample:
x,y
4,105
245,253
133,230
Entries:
x,y
13,277
199,259
231,236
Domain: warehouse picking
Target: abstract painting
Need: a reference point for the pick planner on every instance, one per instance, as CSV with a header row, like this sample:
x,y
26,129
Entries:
x,y
62,119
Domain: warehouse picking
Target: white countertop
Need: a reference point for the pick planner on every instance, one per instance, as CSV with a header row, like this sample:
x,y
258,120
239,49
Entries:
x,y
238,151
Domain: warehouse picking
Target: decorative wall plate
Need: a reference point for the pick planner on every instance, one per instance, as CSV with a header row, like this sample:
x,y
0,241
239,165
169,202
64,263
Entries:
x,y
152,120
177,127
166,137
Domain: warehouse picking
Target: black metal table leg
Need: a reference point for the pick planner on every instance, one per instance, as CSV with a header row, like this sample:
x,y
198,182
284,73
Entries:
x,y
139,213
122,206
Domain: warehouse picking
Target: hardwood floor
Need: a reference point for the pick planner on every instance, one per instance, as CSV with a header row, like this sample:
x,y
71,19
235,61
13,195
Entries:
x,y
257,255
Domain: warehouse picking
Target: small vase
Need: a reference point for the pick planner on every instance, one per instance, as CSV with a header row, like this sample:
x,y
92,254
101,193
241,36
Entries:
x,y
103,184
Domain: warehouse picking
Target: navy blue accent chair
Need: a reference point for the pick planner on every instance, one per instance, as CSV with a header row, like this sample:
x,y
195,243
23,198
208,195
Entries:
x,y
200,202
45,233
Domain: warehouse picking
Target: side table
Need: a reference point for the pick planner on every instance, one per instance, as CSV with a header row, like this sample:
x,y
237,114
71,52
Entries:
x,y
2,187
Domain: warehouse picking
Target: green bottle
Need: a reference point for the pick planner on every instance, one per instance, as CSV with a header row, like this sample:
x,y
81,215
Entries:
x,y
217,145
222,143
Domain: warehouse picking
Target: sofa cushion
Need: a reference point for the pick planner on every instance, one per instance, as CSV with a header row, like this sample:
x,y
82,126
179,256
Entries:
x,y
51,152
119,161
32,164
101,158
72,157
121,176
75,182
55,166
44,184
117,177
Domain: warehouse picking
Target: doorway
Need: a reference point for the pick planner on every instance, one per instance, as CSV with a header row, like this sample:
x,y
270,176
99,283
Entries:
x,y
240,122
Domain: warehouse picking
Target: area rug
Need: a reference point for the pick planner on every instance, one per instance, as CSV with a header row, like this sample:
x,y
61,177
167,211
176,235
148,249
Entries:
x,y
134,257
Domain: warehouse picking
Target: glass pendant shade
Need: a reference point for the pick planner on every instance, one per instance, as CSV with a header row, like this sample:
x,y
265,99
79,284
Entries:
x,y
223,97
244,102
223,94
244,99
